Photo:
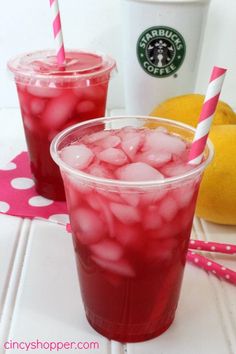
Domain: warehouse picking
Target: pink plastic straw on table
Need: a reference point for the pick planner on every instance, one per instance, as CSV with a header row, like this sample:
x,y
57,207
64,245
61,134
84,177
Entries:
x,y
225,248
210,266
57,30
207,114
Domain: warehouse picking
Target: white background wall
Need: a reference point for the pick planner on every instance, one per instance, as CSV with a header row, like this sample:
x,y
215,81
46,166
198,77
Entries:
x,y
25,25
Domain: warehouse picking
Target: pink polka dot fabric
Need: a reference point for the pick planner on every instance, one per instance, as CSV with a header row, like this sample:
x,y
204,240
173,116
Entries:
x,y
18,196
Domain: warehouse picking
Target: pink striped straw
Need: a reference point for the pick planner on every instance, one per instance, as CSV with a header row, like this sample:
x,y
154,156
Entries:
x,y
210,266
206,116
57,30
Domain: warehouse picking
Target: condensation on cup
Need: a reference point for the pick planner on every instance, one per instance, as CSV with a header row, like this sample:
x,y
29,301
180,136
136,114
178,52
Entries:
x,y
162,42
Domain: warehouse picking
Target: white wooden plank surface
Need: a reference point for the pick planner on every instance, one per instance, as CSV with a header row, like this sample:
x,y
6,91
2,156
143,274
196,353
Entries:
x,y
12,281
9,232
40,298
48,304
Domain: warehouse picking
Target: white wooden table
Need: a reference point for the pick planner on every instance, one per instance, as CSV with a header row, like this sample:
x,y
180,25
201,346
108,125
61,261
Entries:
x,y
40,297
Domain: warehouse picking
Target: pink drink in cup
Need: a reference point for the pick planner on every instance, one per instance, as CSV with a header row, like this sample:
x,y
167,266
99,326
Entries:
x,y
131,196
52,99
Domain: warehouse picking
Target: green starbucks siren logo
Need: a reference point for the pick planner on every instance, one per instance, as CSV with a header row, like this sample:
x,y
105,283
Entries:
x,y
161,51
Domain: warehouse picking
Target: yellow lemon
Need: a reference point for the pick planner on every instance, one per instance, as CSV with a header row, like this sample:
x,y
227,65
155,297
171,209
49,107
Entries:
x,y
217,196
187,109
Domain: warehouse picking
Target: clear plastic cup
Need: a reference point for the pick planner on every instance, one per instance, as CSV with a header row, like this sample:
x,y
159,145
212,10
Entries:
x,y
52,99
130,238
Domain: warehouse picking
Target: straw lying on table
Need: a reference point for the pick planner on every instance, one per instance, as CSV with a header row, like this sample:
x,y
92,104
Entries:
x,y
211,266
212,247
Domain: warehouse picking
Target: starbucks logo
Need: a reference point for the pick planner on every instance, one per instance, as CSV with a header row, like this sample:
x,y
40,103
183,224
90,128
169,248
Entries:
x,y
161,51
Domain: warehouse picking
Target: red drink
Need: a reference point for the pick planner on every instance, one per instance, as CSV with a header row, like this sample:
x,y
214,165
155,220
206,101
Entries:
x,y
131,197
53,99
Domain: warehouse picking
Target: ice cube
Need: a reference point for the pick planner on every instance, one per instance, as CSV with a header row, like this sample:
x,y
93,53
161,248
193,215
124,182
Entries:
x,y
41,91
128,129
127,214
77,156
175,169
154,158
58,111
93,201
167,208
183,195
106,215
79,92
24,103
131,143
109,142
78,186
122,267
107,249
93,93
87,225
110,195
37,106
152,219
99,171
167,230
113,156
129,236
132,198
186,217
150,197
73,196
161,250
159,141
85,107
92,138
138,171
29,123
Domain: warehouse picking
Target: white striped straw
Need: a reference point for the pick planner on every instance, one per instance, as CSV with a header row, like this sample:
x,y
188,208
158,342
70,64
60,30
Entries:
x,y
57,30
206,116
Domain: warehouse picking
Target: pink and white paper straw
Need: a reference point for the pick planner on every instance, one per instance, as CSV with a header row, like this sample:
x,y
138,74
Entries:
x,y
57,30
206,116
210,266
209,246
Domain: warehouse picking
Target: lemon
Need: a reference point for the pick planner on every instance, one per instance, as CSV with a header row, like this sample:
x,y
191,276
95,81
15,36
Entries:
x,y
187,109
217,196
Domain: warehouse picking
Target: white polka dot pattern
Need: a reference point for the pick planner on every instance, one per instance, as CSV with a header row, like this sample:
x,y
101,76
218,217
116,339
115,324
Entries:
x,y
4,207
22,183
39,201
8,167
18,196
211,266
212,246
60,218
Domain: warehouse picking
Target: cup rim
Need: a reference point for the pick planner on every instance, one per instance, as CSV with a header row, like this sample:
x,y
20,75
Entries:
x,y
119,183
14,65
